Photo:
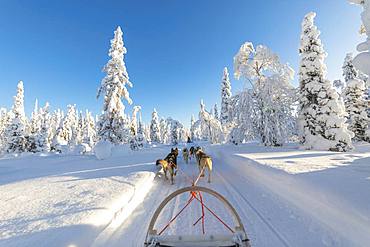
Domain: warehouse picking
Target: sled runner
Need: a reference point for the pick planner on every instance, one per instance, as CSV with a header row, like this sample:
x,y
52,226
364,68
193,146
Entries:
x,y
235,237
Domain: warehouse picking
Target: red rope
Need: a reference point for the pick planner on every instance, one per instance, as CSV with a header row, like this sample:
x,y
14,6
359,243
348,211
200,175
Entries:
x,y
219,219
201,200
169,223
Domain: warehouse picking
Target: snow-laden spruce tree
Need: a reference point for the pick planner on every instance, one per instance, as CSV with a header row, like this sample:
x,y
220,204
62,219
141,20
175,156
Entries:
x,y
155,131
354,101
177,131
79,128
4,121
140,133
16,130
134,123
165,131
192,131
89,132
215,112
33,129
321,112
42,139
362,60
225,97
55,123
113,125
210,126
67,132
271,93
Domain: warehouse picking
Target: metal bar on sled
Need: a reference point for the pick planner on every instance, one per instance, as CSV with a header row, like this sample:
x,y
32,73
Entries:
x,y
238,239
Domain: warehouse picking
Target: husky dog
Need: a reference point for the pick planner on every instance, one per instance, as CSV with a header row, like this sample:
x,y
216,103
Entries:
x,y
173,155
169,163
196,151
191,152
167,166
204,162
185,155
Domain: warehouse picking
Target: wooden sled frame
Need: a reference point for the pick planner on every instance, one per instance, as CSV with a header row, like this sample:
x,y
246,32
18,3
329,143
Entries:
x,y
238,238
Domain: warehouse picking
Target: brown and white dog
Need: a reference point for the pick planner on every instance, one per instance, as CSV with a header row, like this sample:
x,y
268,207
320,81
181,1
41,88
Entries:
x,y
185,155
204,162
169,164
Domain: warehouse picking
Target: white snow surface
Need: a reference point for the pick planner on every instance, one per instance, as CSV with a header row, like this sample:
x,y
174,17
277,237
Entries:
x,y
284,196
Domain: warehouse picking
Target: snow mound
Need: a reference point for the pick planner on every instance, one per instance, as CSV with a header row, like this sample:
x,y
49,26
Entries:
x,y
103,150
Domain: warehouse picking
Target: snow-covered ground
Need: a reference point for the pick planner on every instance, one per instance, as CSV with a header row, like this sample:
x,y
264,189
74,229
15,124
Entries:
x,y
285,197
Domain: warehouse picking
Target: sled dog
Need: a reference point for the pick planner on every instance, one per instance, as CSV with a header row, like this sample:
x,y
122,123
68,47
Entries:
x,y
204,162
167,166
185,155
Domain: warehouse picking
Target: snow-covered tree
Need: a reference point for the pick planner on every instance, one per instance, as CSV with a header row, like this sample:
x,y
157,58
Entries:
x,y
140,134
42,136
165,131
113,125
210,126
67,132
33,129
321,112
16,130
242,126
4,121
354,100
80,128
215,112
155,131
225,97
134,122
176,131
192,131
89,131
55,123
272,94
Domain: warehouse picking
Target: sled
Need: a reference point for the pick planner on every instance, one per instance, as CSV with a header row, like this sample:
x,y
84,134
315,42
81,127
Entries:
x,y
236,236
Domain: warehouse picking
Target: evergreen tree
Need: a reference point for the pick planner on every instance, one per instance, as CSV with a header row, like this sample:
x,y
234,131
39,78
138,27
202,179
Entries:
x,y
321,113
210,127
80,128
155,134
33,129
66,133
215,112
192,130
134,125
165,131
355,102
140,133
4,121
55,123
89,132
16,129
42,137
113,125
225,97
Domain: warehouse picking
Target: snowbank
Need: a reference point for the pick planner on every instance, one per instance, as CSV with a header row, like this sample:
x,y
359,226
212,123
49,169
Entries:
x,y
70,200
103,150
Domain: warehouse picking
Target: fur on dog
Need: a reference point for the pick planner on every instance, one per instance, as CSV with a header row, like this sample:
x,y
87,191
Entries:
x,y
185,155
169,164
167,167
204,162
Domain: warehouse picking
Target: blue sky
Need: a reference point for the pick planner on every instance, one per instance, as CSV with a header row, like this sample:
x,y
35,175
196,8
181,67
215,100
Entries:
x,y
176,48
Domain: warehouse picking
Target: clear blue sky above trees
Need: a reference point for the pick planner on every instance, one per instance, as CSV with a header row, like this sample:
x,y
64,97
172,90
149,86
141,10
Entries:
x,y
176,48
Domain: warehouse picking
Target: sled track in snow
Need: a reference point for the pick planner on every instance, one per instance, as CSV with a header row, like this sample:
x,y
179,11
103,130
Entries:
x,y
235,192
